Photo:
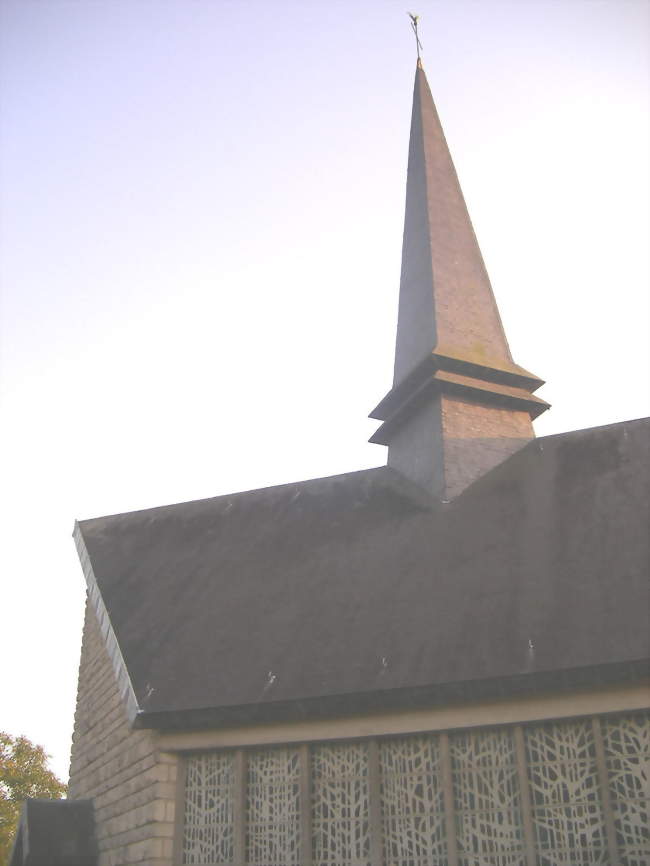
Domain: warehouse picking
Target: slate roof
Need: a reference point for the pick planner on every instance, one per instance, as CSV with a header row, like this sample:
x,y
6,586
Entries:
x,y
351,592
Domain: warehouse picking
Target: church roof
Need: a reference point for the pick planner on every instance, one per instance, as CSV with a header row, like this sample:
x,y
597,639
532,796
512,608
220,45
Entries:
x,y
355,591
480,561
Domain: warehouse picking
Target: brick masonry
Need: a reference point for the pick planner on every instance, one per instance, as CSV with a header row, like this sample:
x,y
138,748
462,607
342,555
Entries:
x,y
130,780
450,443
476,438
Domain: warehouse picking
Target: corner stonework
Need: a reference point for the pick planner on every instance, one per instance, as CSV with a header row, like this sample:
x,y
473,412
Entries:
x,y
131,782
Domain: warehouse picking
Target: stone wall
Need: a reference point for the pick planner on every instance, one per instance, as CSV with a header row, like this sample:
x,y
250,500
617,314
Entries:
x,y
132,783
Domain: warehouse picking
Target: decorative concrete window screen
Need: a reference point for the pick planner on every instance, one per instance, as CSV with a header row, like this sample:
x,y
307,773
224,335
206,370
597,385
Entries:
x,y
567,803
412,801
209,809
555,794
273,807
487,801
340,804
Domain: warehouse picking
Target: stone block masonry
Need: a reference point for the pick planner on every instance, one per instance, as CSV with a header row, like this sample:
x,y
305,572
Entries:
x,y
130,780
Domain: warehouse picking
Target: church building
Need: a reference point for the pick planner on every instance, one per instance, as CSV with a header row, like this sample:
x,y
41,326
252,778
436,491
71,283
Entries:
x,y
442,661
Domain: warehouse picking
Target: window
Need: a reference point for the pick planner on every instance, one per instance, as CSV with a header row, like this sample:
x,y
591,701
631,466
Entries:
x,y
553,794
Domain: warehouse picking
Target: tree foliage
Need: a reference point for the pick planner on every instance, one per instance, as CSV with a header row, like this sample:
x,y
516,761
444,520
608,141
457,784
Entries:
x,y
23,773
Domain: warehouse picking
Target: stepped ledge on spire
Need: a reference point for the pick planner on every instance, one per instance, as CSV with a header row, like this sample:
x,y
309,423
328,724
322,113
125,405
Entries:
x,y
459,405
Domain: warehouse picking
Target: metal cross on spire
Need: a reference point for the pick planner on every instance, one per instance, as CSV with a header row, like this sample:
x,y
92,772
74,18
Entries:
x,y
414,25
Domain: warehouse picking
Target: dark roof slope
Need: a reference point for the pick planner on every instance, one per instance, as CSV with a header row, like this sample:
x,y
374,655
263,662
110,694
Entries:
x,y
348,585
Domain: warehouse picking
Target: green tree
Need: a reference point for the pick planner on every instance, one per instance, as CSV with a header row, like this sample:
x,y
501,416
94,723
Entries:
x,y
23,773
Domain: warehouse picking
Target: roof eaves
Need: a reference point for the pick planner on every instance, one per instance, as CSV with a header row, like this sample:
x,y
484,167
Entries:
x,y
414,697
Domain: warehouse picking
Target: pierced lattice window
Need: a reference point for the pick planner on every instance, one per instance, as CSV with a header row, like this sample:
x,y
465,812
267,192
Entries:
x,y
273,808
566,793
209,809
486,798
412,802
627,755
340,804
568,817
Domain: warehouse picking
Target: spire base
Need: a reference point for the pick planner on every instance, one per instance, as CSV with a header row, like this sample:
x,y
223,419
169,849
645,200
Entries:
x,y
506,382
452,420
450,443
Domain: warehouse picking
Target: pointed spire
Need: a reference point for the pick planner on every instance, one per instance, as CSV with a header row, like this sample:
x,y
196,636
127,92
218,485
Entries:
x,y
459,404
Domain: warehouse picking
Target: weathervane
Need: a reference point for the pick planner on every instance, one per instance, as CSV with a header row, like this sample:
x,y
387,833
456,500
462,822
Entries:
x,y
414,25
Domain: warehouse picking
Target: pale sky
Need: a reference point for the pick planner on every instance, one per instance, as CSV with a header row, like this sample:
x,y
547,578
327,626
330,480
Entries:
x,y
200,225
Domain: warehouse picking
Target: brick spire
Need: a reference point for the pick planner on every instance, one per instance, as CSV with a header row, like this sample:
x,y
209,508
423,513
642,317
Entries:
x,y
458,405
